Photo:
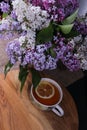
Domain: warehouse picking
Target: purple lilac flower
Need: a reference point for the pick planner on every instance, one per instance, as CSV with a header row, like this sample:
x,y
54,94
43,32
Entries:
x,y
15,26
35,59
71,62
57,9
43,62
8,35
13,51
28,58
69,6
37,2
38,59
5,7
41,48
13,15
81,27
66,55
51,63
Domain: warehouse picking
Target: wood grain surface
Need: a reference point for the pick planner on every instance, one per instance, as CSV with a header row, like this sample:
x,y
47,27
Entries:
x,y
18,113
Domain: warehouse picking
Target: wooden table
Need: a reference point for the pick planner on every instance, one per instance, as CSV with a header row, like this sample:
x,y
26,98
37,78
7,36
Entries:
x,y
18,113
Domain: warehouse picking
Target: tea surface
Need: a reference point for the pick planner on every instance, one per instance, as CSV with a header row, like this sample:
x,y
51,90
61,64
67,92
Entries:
x,y
48,101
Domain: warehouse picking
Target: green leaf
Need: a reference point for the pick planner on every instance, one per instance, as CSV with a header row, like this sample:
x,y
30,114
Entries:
x,y
45,35
35,77
23,76
52,52
23,81
72,34
66,28
4,15
71,18
8,66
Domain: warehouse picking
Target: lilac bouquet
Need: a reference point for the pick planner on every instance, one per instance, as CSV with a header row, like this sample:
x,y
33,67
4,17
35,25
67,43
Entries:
x,y
49,31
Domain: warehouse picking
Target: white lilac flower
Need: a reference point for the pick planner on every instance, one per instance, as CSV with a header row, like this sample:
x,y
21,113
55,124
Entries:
x,y
22,40
9,28
28,40
83,64
31,16
37,18
78,39
9,24
20,8
5,24
82,54
31,37
71,43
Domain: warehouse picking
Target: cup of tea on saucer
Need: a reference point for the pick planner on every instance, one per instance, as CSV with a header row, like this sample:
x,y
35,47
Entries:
x,y
47,96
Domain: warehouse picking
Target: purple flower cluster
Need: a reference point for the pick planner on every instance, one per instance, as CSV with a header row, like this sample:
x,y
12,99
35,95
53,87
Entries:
x,y
5,7
13,15
41,61
57,9
81,27
35,58
46,55
47,34
65,53
14,51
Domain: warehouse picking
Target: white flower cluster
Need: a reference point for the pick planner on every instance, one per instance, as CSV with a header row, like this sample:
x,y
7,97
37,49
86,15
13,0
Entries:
x,y
27,41
8,28
20,8
32,18
82,54
5,24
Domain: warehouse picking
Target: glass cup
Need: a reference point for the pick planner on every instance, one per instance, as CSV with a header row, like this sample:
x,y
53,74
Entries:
x,y
51,103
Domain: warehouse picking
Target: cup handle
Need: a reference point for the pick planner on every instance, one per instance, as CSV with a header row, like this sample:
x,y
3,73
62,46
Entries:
x,y
58,110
